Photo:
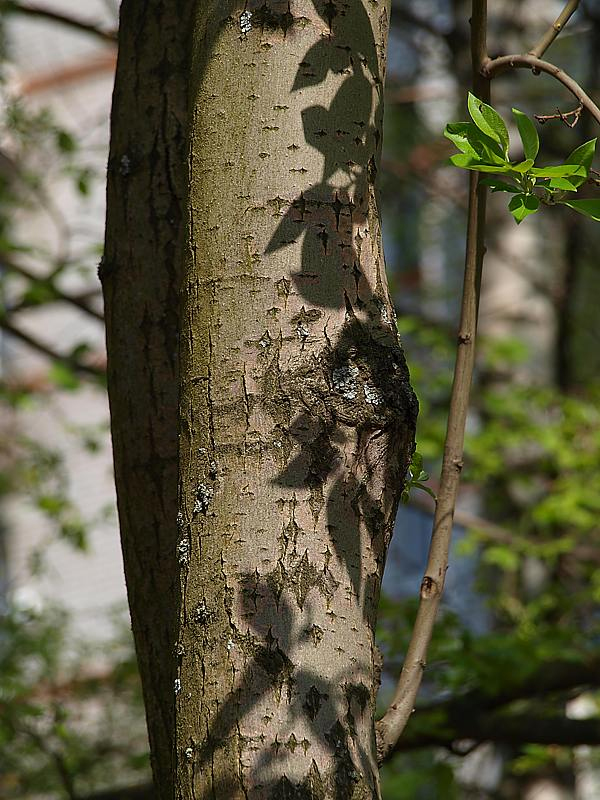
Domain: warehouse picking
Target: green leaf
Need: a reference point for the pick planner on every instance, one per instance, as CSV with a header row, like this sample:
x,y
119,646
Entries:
x,y
470,140
489,122
584,155
65,142
426,489
560,171
416,463
466,162
522,205
529,135
501,557
80,350
461,135
500,186
63,376
52,504
39,292
589,208
523,166
564,184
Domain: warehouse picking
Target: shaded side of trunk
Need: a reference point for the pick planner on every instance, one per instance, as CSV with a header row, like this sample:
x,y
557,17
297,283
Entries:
x,y
147,186
297,417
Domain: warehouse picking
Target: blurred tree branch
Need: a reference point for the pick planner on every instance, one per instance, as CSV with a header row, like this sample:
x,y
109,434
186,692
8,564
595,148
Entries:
x,y
57,294
41,12
141,792
483,717
49,352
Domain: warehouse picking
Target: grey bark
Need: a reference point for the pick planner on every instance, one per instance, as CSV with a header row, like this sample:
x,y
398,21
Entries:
x,y
297,418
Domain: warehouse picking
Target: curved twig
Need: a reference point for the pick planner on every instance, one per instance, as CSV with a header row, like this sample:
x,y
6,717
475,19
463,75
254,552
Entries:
x,y
493,67
393,722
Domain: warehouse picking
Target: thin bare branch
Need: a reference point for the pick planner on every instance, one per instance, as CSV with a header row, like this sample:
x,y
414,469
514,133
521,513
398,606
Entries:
x,y
65,297
49,352
62,769
392,724
496,66
42,12
514,729
564,116
491,531
143,791
550,35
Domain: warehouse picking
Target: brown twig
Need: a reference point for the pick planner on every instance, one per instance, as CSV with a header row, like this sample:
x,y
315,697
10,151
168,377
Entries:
x,y
562,115
493,67
56,757
550,35
393,722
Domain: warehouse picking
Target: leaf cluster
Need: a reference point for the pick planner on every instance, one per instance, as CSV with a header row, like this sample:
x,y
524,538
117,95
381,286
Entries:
x,y
484,147
415,478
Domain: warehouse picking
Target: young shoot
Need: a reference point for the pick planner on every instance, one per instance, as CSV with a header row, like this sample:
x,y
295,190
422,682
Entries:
x,y
484,144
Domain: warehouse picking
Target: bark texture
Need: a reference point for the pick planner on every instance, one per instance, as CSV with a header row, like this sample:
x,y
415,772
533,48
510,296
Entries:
x,y
297,417
140,272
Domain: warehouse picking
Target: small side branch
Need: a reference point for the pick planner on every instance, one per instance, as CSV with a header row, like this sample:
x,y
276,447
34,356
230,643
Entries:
x,y
496,66
570,118
488,717
550,35
514,729
392,724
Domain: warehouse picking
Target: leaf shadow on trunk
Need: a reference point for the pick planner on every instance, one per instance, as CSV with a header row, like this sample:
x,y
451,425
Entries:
x,y
305,691
357,387
355,394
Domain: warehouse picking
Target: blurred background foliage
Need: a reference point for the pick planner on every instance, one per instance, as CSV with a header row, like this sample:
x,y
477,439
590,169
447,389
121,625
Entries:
x,y
509,708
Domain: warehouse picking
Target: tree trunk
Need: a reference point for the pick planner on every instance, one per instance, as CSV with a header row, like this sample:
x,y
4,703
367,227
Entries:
x,y
141,274
296,414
